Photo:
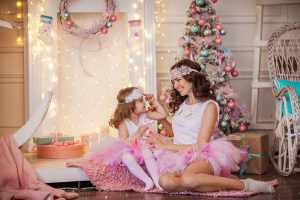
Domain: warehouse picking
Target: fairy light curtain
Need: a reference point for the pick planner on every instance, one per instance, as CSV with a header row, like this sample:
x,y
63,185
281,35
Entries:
x,y
83,102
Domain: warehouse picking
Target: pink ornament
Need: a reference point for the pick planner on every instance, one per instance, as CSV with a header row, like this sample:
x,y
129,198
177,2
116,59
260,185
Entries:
x,y
104,30
214,1
186,52
242,128
234,73
192,10
163,132
231,104
203,17
228,68
219,40
163,97
113,18
201,22
69,23
219,27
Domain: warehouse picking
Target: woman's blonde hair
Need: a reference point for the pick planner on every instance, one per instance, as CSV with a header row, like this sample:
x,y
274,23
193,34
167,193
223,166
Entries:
x,y
123,110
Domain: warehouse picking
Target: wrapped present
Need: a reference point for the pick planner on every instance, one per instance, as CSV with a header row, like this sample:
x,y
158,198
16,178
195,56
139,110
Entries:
x,y
45,140
42,140
256,146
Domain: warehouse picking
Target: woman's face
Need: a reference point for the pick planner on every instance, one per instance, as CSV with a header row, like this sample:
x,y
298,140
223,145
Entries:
x,y
182,86
140,106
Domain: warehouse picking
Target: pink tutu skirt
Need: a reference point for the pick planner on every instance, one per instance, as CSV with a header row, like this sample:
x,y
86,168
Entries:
x,y
220,153
110,151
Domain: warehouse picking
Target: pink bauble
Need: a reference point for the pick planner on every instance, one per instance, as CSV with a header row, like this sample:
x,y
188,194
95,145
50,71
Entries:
x,y
186,52
219,40
163,97
234,73
231,104
201,22
203,17
192,10
228,68
163,132
242,128
214,1
113,18
219,27
104,30
69,23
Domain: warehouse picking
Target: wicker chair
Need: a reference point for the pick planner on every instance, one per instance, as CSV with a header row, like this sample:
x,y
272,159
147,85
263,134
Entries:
x,y
284,69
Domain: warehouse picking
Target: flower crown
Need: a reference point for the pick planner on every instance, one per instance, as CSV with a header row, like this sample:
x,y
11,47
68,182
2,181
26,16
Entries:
x,y
136,94
182,71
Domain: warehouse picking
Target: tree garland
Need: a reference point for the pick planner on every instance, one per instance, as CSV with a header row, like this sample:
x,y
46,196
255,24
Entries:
x,y
97,28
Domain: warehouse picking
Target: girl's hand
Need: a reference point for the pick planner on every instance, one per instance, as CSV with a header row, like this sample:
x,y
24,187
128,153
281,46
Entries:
x,y
150,98
142,129
155,141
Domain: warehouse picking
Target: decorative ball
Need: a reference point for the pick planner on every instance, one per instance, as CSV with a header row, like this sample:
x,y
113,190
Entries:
x,y
66,15
201,22
219,98
242,128
207,32
204,52
214,1
195,28
234,73
163,97
108,24
104,30
219,27
222,80
228,68
69,23
223,32
113,18
159,126
224,124
200,2
203,67
231,104
163,132
192,10
219,40
186,52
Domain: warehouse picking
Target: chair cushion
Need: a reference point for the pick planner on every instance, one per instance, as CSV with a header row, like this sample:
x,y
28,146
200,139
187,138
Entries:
x,y
281,83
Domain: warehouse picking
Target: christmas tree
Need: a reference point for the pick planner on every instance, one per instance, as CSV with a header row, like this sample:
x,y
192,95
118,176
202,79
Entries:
x,y
202,43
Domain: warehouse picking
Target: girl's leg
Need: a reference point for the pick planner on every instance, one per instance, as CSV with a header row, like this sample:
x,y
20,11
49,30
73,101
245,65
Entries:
x,y
199,176
136,170
151,166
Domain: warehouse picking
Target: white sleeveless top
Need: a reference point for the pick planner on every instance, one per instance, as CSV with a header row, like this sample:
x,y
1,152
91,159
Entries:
x,y
186,122
132,127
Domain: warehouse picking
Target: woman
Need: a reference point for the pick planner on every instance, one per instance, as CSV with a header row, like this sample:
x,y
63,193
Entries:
x,y
197,160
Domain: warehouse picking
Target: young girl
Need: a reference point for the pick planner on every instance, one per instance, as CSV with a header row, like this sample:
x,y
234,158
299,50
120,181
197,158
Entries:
x,y
133,121
197,159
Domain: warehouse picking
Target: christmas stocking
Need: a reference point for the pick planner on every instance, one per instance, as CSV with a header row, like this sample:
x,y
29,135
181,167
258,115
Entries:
x,y
44,32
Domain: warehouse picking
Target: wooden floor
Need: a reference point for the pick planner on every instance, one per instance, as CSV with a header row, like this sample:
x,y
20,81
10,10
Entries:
x,y
289,188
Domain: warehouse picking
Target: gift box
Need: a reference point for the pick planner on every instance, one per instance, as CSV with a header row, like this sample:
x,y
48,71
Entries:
x,y
45,140
256,146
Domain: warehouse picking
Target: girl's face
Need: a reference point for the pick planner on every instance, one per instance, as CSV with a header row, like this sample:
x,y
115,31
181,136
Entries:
x,y
140,106
182,86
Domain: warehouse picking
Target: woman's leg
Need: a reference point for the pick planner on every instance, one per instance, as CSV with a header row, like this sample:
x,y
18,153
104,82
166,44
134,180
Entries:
x,y
171,182
137,170
198,176
151,166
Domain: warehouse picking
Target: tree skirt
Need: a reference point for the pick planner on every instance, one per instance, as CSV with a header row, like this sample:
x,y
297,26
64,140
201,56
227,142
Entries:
x,y
120,179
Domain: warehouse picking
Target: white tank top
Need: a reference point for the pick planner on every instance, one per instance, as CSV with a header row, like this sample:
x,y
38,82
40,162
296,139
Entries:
x,y
132,127
186,122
